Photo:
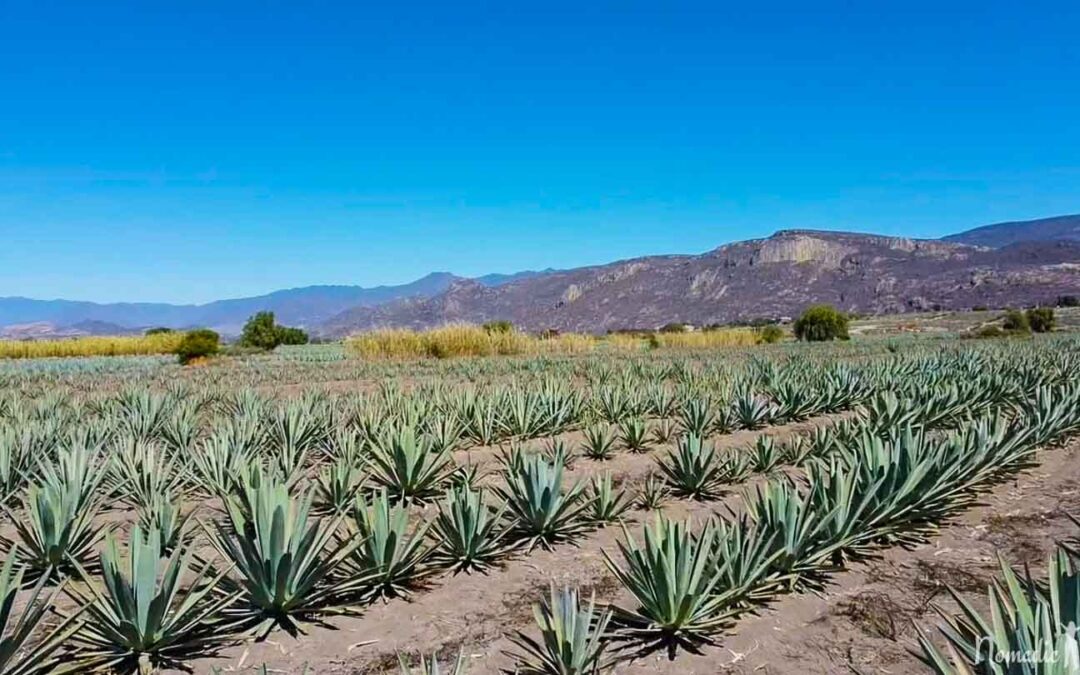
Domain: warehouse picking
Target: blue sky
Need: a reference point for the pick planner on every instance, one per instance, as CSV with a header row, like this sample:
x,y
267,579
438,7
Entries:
x,y
191,151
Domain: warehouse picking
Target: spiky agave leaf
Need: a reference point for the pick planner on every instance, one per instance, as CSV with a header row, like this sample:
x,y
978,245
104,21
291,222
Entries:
x,y
542,513
407,467
673,579
146,618
390,559
21,651
571,637
286,564
470,534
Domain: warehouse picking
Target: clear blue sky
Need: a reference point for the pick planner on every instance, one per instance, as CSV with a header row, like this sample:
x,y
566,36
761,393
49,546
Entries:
x,y
204,150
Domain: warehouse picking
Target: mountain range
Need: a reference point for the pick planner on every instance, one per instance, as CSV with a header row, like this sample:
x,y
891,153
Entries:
x,y
1015,263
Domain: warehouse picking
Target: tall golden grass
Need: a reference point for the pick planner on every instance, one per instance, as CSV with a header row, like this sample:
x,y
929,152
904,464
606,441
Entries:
x,y
162,343
709,339
455,340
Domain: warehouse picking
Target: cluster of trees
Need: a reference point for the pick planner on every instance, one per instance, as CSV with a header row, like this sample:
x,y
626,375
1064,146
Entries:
x,y
822,323
261,332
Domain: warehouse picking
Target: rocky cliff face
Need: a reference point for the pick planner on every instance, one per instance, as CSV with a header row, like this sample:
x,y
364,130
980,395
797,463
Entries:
x,y
766,278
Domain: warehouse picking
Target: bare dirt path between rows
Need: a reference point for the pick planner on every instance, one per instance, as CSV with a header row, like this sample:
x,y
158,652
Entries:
x,y
474,611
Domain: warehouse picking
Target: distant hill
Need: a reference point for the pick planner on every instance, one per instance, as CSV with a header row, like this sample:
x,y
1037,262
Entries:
x,y
1003,234
775,278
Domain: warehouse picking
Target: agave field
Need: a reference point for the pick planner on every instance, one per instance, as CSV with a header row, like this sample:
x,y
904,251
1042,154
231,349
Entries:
x,y
311,512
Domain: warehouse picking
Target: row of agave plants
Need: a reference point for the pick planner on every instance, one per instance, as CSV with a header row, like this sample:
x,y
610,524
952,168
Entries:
x,y
279,564
880,485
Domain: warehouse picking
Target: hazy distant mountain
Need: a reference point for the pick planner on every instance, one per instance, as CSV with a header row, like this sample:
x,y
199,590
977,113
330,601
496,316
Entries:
x,y
500,279
1003,234
306,306
764,278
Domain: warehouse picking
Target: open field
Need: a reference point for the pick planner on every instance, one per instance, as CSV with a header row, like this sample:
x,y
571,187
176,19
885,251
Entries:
x,y
307,508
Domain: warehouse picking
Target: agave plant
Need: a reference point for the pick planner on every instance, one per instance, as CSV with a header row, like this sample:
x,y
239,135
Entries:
x,y
571,637
471,535
426,667
164,516
634,434
599,442
751,412
58,526
653,493
286,563
408,468
542,513
337,485
693,469
605,503
765,454
673,580
664,431
146,618
142,472
1031,629
697,417
390,560
22,652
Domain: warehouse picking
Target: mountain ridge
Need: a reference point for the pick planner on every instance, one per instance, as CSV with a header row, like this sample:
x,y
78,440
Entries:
x,y
442,296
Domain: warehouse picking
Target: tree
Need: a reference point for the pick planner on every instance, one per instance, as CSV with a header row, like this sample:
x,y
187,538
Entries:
x,y
821,323
1041,319
1068,301
262,332
160,330
198,344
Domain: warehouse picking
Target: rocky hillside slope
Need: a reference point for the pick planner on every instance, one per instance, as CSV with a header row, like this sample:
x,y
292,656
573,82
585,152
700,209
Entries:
x,y
765,278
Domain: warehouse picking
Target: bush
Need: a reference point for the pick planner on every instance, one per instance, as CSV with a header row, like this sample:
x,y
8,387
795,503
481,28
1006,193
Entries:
x,y
990,332
1015,321
198,344
1041,319
821,323
1068,301
160,330
262,332
770,334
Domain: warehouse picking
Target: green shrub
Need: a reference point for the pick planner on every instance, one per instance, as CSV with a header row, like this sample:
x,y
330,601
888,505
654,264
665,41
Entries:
x,y
1068,301
1015,321
821,323
197,344
770,334
160,330
990,332
1041,319
501,326
262,332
